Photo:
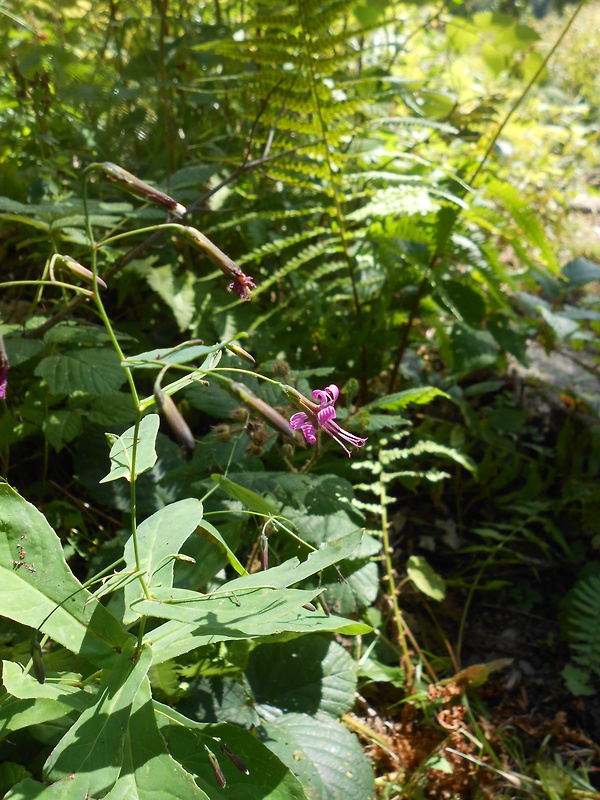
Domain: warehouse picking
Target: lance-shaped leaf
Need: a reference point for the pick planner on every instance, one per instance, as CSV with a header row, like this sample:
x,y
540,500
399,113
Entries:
x,y
37,588
121,452
250,499
268,778
148,770
159,538
25,687
93,749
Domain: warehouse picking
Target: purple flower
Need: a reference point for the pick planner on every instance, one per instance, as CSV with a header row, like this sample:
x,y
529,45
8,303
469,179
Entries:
x,y
321,416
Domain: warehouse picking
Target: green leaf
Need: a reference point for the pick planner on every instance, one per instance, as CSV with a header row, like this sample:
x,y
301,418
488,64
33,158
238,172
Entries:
x,y
148,769
61,427
33,790
176,288
26,687
16,713
211,533
307,675
464,302
269,778
399,400
579,271
94,370
93,750
159,538
121,451
425,578
327,759
471,349
250,499
38,591
183,353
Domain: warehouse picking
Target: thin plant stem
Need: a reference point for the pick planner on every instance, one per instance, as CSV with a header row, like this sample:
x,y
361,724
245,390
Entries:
x,y
436,255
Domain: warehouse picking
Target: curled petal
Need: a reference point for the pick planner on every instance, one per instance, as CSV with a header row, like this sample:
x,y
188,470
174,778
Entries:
x,y
309,432
325,415
298,420
333,390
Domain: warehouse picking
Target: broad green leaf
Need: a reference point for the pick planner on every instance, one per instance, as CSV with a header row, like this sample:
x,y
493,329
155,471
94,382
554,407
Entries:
x,y
471,349
16,713
307,675
40,589
26,687
399,400
94,370
425,578
93,749
33,790
61,427
121,452
148,770
464,302
292,571
269,778
159,538
176,288
250,499
325,756
578,272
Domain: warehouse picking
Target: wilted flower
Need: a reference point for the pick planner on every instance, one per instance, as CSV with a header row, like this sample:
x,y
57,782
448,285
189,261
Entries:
x,y
241,284
141,189
316,416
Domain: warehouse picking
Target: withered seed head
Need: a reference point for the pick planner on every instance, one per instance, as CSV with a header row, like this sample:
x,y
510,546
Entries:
x,y
141,189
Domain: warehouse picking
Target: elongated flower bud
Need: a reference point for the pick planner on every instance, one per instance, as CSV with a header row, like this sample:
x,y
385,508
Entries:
x,y
176,422
138,188
264,550
309,607
239,351
38,663
82,271
235,759
241,284
216,768
4,365
268,413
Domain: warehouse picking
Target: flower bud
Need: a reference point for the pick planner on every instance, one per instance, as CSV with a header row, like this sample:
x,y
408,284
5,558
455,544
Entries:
x,y
242,284
176,422
38,662
4,365
82,271
264,549
239,351
309,607
234,758
216,768
138,188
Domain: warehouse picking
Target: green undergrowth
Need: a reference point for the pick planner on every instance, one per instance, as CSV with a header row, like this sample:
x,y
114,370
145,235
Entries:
x,y
199,601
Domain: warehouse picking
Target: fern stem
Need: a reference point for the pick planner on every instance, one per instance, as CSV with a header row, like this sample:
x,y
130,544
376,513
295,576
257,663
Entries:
x,y
392,585
332,177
